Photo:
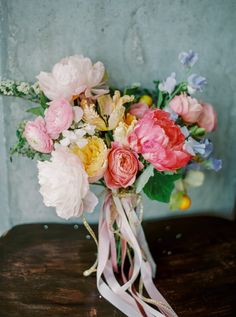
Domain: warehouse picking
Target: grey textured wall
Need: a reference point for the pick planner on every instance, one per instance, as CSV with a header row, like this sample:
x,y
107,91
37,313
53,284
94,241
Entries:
x,y
138,41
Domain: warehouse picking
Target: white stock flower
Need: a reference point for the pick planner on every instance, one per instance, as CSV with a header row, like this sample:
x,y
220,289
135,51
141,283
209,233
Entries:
x,y
77,136
64,185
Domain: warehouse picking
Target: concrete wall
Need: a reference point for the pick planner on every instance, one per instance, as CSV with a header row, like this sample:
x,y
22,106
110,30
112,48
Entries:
x,y
138,41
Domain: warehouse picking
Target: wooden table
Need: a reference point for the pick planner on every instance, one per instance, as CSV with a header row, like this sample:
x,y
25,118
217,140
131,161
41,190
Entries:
x,y
41,269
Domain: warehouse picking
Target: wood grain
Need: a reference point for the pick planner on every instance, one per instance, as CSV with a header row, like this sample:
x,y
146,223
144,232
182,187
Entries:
x,y
41,269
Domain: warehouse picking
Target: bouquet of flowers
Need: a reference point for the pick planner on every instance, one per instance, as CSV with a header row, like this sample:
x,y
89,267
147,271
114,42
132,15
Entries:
x,y
127,141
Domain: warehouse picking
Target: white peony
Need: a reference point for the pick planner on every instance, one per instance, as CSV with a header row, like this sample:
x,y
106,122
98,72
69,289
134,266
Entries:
x,y
72,76
64,185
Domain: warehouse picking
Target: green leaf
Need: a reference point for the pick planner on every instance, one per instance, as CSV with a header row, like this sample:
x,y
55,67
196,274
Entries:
x,y
38,111
160,99
160,186
43,101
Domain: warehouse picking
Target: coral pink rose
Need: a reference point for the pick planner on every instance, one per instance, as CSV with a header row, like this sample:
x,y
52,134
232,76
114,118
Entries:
x,y
37,136
59,117
207,118
123,165
187,107
160,141
138,109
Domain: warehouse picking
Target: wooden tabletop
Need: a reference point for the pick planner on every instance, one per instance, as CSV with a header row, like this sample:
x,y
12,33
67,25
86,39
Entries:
x,y
41,269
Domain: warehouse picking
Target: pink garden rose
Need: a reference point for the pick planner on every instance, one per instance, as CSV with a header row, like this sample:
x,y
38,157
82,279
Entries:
x,y
72,76
123,165
138,109
37,136
187,107
59,117
207,118
160,141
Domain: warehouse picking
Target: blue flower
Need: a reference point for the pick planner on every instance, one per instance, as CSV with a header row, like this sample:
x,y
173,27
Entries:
x,y
193,147
208,148
196,83
189,58
213,164
169,84
173,114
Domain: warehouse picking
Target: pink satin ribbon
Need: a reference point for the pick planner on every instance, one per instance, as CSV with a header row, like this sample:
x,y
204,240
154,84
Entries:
x,y
142,266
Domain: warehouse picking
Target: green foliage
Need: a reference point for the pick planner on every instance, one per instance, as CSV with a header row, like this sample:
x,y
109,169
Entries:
x,y
137,92
160,186
197,132
38,111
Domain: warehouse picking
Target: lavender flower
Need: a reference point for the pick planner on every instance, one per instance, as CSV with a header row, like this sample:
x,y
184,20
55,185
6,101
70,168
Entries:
x,y
188,59
196,83
208,148
173,114
213,164
193,147
169,84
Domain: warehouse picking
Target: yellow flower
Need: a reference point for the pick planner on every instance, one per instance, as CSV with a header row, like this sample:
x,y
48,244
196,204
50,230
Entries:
x,y
111,111
94,157
129,118
122,131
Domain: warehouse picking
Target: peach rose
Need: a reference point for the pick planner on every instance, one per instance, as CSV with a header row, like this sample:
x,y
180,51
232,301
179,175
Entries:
x,y
187,107
58,117
123,165
37,136
207,118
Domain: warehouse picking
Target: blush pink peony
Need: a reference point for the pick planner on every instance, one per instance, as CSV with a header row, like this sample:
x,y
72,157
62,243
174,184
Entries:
x,y
160,141
64,184
138,109
187,107
123,165
207,118
72,76
37,136
58,117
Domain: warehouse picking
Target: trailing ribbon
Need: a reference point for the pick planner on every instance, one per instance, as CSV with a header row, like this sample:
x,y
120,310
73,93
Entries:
x,y
119,221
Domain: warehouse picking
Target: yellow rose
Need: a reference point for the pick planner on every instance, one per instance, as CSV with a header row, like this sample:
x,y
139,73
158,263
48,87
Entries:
x,y
93,156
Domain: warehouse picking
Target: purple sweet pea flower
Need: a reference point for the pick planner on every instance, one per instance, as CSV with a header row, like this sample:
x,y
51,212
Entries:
x,y
173,114
188,59
213,164
169,84
196,83
208,148
193,147
193,166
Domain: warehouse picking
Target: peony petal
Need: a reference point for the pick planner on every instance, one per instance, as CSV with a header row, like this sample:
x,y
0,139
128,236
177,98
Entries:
x,y
78,114
90,201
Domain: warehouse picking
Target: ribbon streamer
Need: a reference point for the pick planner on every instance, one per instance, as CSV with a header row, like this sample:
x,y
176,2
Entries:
x,y
120,209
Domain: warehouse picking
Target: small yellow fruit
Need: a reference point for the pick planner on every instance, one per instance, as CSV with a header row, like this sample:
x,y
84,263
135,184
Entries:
x,y
185,202
146,99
